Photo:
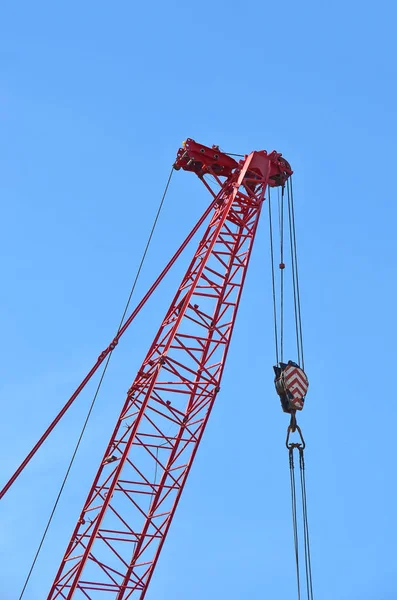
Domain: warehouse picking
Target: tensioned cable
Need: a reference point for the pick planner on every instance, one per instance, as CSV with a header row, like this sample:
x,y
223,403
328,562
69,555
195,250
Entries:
x,y
296,270
294,285
299,446
97,389
306,539
308,565
279,208
273,277
282,276
294,516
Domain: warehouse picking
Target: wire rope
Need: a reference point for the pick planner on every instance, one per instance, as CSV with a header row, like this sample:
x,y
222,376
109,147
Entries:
x,y
294,284
296,271
273,278
282,276
294,517
308,566
91,407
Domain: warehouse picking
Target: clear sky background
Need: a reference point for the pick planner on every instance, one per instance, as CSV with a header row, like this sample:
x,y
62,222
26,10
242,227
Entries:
x,y
95,99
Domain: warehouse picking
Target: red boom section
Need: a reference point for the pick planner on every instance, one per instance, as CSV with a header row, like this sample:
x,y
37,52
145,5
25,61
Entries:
x,y
122,527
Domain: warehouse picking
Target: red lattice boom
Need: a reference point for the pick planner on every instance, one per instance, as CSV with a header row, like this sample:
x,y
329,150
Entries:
x,y
122,527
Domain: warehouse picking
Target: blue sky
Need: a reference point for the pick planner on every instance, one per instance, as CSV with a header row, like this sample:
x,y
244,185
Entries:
x,y
95,100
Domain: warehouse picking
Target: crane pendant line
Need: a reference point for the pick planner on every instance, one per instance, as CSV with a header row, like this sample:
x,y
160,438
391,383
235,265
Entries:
x,y
108,350
125,519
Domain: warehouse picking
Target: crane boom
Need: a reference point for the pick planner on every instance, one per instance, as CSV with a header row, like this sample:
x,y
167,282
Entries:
x,y
125,519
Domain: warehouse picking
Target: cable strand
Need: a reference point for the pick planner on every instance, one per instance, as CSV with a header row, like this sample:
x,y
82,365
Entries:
x,y
96,391
294,286
282,276
296,271
273,278
308,566
294,517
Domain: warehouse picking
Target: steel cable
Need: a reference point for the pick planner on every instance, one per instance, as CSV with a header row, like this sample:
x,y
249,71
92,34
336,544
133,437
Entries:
x,y
97,389
282,276
294,517
308,566
289,184
273,277
305,521
294,283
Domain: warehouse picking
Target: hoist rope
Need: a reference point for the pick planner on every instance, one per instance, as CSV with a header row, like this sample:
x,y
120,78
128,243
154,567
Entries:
x,y
279,288
294,282
291,195
273,276
281,209
308,567
279,318
294,517
97,389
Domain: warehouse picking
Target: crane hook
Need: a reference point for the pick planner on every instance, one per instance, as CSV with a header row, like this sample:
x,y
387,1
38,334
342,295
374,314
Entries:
x,y
292,428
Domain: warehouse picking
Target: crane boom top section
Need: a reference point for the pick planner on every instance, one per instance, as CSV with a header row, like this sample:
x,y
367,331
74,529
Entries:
x,y
203,159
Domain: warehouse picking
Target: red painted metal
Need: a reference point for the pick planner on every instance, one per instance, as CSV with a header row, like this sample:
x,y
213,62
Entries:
x,y
105,353
292,385
202,159
125,519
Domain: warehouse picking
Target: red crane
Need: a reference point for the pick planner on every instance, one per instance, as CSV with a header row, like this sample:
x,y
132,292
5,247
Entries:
x,y
123,524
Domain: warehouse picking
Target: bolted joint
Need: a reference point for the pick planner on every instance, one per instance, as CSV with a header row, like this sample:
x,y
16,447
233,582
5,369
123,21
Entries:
x,y
113,344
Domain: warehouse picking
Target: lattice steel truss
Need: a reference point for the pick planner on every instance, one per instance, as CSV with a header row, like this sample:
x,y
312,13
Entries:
x,y
130,506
